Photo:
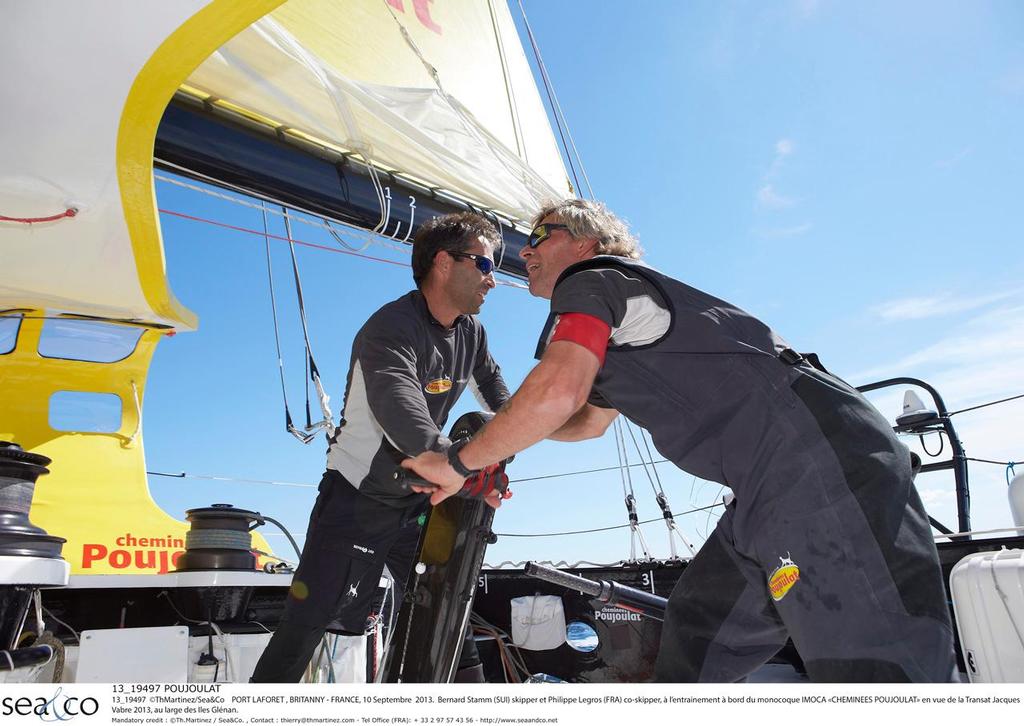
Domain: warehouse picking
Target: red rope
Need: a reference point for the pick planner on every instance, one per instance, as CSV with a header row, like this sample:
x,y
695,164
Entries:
x,y
34,220
261,233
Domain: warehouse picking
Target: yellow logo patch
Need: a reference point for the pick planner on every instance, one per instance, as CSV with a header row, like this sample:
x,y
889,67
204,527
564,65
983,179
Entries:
x,y
783,578
438,385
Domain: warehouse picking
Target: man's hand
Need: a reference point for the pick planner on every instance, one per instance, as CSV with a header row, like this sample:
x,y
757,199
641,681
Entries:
x,y
434,467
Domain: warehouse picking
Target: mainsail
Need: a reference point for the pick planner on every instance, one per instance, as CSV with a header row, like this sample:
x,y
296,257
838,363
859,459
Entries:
x,y
440,92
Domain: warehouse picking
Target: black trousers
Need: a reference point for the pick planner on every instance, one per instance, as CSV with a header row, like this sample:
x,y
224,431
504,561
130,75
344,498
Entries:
x,y
841,560
350,539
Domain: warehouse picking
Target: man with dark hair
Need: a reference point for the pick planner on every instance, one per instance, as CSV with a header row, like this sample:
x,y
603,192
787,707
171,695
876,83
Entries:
x,y
410,363
826,542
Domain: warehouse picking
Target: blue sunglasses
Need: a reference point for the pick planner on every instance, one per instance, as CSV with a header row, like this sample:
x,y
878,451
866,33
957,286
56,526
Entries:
x,y
484,264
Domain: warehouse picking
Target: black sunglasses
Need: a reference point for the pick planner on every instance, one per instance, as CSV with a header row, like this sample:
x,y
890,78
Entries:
x,y
484,264
541,232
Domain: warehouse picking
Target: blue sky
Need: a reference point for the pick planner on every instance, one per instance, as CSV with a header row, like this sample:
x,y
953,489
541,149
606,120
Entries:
x,y
850,172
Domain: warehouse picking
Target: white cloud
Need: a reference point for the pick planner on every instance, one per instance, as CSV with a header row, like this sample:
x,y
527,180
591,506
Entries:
x,y
983,352
919,308
935,497
768,198
980,363
784,148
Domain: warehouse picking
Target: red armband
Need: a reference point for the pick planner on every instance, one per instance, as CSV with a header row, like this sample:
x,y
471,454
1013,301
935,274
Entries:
x,y
586,330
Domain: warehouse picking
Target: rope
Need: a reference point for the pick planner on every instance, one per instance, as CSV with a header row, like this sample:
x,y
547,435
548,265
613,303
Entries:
x,y
952,535
327,422
337,238
236,228
53,617
229,539
66,214
1008,464
323,224
284,530
983,405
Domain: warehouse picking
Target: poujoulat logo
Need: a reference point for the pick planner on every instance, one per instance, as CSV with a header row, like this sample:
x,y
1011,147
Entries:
x,y
144,553
59,707
614,615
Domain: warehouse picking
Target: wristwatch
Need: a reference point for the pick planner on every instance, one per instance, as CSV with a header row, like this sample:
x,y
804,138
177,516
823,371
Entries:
x,y
456,462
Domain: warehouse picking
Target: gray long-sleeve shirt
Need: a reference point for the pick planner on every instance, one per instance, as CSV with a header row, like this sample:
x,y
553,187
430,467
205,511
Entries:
x,y
407,372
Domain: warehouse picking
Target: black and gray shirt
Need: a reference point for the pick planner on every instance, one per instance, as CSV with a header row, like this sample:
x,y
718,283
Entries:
x,y
700,374
407,372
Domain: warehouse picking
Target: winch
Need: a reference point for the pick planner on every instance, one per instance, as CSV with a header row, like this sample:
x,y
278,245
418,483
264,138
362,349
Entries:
x,y
219,539
19,470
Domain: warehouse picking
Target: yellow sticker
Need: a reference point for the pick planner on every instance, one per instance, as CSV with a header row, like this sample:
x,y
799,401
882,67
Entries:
x,y
783,578
439,385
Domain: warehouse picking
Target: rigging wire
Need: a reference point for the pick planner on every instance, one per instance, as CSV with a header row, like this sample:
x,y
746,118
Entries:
x,y
635,533
581,471
311,369
327,422
556,108
659,495
643,461
607,529
984,405
184,475
289,425
624,467
650,458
